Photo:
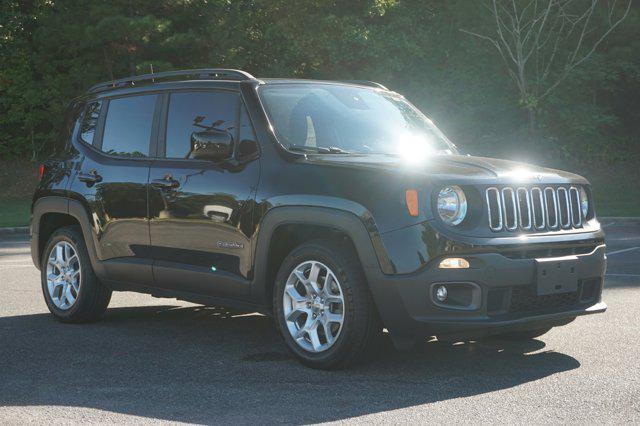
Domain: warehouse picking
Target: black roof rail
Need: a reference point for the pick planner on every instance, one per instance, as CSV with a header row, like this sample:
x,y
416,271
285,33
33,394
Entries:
x,y
367,83
199,74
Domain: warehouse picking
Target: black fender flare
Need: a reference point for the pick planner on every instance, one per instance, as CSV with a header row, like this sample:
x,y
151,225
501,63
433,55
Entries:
x,y
366,241
73,208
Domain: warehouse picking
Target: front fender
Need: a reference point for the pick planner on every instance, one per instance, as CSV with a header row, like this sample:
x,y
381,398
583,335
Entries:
x,y
366,241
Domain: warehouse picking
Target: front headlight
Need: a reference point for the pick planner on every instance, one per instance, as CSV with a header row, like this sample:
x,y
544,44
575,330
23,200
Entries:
x,y
584,202
452,205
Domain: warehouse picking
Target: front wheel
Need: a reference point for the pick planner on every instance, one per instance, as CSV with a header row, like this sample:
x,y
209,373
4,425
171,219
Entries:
x,y
322,305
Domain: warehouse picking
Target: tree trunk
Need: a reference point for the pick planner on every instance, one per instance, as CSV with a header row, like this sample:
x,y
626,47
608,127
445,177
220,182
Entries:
x,y
533,127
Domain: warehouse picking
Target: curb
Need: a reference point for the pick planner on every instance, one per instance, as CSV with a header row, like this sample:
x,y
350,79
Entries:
x,y
18,230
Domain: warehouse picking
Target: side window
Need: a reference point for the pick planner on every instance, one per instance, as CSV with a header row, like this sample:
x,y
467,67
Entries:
x,y
197,111
127,129
90,121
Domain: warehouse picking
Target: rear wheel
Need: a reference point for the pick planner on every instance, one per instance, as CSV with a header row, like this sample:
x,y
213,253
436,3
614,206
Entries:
x,y
70,287
323,307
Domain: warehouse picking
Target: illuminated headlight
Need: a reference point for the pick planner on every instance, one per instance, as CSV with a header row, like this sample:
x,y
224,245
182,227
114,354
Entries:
x,y
584,202
452,205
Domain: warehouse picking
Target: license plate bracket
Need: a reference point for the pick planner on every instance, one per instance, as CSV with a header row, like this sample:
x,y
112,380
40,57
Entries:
x,y
556,275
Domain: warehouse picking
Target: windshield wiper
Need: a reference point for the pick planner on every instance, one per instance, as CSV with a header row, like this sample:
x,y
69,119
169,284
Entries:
x,y
318,149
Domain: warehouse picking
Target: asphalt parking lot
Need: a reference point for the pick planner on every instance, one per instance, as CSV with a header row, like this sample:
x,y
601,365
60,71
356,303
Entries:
x,y
157,360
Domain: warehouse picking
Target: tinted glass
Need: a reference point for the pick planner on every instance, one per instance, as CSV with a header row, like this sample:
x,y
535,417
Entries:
x,y
354,119
90,121
195,112
127,130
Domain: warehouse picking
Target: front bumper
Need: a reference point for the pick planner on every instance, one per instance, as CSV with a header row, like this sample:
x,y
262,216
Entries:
x,y
508,297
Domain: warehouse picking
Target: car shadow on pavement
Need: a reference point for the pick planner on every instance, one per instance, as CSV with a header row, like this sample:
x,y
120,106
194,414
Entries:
x,y
204,365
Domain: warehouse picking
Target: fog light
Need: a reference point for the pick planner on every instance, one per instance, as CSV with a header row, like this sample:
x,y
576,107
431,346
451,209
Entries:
x,y
441,293
454,263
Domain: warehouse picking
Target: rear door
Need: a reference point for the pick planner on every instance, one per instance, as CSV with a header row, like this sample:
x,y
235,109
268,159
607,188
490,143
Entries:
x,y
112,176
201,211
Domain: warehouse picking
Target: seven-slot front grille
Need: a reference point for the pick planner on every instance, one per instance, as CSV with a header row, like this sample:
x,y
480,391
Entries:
x,y
533,208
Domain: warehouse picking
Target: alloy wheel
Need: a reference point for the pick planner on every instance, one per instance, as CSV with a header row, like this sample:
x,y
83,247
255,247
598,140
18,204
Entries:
x,y
313,306
63,275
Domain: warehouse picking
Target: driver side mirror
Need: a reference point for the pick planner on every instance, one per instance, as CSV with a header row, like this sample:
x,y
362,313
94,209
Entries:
x,y
211,144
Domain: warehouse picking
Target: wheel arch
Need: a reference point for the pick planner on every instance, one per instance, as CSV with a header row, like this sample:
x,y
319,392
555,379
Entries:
x,y
285,227
51,213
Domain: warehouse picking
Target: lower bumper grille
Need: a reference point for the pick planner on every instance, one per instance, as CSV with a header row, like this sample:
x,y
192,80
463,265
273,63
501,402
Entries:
x,y
525,300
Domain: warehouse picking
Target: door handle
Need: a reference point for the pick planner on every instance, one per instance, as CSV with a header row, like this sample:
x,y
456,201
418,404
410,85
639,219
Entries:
x,y
90,177
167,182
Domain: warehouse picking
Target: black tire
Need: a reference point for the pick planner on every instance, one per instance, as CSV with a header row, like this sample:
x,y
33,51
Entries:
x,y
92,298
361,323
523,335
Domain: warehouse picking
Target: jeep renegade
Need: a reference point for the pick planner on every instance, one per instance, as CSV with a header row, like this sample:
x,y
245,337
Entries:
x,y
338,208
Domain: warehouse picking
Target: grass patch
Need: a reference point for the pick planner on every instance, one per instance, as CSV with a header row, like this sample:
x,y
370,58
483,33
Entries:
x,y
14,211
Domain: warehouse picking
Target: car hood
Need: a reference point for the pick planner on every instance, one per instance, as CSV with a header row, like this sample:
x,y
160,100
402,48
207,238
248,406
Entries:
x,y
447,167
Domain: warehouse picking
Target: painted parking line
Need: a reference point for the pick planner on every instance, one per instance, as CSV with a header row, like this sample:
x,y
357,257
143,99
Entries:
x,y
622,251
21,265
623,275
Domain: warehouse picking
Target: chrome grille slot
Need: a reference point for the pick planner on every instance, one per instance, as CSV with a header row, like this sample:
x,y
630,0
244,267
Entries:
x,y
533,208
494,208
523,200
574,201
509,209
537,205
564,209
551,208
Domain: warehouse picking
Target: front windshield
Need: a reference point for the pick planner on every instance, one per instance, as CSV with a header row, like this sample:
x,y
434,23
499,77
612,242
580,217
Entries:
x,y
317,117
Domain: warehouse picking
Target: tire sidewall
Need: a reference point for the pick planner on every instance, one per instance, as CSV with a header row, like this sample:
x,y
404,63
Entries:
x,y
71,237
315,252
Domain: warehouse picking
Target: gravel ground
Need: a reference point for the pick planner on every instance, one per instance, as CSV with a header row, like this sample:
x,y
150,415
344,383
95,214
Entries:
x,y
159,360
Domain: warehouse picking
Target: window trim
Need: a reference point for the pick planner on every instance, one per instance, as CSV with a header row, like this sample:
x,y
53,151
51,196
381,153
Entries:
x,y
102,118
83,115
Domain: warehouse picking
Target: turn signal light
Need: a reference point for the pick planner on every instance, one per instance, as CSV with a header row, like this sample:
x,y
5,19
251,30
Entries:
x,y
454,263
412,202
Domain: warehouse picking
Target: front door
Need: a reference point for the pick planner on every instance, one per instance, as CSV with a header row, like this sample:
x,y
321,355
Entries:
x,y
201,211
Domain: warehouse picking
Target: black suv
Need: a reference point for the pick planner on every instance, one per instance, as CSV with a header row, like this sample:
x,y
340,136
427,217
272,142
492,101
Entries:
x,y
336,207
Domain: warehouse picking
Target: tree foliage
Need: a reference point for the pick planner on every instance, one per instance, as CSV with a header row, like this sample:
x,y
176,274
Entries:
x,y
53,50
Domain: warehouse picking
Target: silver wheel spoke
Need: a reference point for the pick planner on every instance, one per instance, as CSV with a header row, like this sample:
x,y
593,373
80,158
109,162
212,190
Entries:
x,y
313,274
327,331
69,295
300,276
313,335
314,319
333,318
294,295
67,254
60,254
63,275
62,299
72,259
295,314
